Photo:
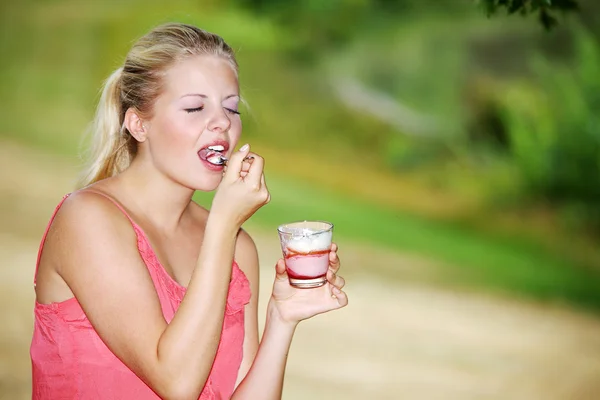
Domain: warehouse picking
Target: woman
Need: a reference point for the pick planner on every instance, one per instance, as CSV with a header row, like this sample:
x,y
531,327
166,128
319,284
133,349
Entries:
x,y
142,293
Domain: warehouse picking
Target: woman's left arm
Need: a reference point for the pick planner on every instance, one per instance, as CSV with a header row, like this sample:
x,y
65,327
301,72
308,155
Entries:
x,y
262,371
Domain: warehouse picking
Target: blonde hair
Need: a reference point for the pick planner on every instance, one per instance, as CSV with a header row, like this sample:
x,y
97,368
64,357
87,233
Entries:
x,y
136,85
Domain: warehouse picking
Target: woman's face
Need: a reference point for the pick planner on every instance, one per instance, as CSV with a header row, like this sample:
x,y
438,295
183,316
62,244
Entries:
x,y
197,109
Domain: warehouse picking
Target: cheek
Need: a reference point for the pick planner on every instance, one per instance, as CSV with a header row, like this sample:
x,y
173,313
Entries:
x,y
175,132
235,131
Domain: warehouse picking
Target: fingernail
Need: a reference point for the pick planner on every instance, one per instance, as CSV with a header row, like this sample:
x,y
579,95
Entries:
x,y
244,147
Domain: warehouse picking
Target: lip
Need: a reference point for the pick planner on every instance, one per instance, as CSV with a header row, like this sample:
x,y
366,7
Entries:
x,y
212,167
223,143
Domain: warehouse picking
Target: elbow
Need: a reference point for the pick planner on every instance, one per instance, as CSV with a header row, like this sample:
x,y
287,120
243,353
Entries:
x,y
176,382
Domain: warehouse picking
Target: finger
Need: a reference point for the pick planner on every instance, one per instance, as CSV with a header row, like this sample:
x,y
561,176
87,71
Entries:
x,y
341,297
234,165
280,273
334,247
335,280
256,170
246,163
334,261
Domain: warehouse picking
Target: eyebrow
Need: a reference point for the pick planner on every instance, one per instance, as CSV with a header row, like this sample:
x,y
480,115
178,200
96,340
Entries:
x,y
206,97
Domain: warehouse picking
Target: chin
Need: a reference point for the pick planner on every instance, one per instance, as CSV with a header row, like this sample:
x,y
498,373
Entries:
x,y
206,184
202,180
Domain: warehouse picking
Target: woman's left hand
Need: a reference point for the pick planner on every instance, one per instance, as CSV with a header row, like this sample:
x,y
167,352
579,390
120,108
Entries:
x,y
294,305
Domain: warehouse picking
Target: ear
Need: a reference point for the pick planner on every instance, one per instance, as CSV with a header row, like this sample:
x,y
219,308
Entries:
x,y
135,125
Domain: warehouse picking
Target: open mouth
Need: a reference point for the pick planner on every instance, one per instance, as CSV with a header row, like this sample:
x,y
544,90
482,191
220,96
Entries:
x,y
213,154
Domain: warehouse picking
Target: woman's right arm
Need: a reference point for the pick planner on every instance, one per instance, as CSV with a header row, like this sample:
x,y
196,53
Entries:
x,y
101,264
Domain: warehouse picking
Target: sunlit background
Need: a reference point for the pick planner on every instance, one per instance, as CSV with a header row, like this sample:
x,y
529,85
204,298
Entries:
x,y
457,154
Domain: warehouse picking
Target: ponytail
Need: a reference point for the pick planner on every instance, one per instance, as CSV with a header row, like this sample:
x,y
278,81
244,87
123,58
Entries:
x,y
111,145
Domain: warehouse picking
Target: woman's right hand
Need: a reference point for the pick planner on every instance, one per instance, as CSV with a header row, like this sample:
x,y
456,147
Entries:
x,y
243,189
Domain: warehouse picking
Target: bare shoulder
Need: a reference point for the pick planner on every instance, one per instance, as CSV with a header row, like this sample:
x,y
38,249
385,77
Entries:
x,y
88,238
85,211
245,244
85,220
246,254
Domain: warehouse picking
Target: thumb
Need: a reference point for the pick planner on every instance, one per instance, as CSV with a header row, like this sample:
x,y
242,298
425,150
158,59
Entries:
x,y
280,272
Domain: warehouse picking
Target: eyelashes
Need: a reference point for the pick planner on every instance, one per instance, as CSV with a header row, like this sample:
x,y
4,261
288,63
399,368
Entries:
x,y
232,111
193,110
198,109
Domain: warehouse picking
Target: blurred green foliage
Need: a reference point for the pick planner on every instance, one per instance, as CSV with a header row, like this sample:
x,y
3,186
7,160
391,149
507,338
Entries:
x,y
322,25
545,9
555,133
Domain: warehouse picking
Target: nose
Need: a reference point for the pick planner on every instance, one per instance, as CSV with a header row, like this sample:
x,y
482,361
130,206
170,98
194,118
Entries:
x,y
219,121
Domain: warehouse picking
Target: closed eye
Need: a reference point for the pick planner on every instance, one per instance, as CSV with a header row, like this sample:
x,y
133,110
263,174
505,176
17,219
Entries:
x,y
232,111
191,110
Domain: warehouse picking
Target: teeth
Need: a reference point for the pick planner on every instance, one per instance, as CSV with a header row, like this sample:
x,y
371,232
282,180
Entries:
x,y
216,148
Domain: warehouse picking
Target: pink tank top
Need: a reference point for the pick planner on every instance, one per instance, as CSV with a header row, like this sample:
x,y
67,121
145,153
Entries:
x,y
70,361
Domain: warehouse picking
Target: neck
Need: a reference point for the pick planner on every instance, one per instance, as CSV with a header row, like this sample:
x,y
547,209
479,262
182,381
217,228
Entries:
x,y
154,196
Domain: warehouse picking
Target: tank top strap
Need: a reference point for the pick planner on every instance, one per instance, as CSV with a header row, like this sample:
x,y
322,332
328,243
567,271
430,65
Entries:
x,y
116,203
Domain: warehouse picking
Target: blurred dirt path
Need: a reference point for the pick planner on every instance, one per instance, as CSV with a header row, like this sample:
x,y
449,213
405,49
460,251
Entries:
x,y
396,340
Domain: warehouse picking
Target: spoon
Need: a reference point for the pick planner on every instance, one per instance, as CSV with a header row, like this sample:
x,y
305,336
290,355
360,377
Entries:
x,y
223,160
